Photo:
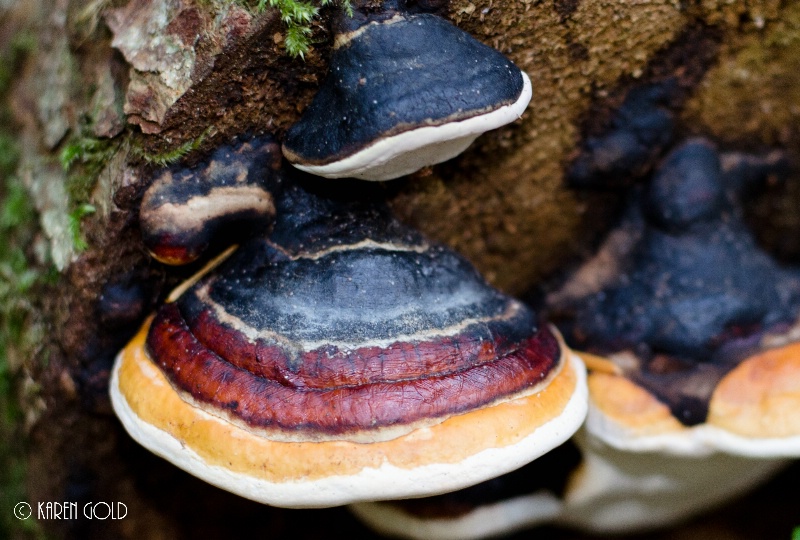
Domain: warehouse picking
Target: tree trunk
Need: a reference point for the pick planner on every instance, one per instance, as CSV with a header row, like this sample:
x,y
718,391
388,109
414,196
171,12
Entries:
x,y
97,94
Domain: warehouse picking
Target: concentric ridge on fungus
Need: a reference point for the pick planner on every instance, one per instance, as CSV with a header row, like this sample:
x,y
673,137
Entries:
x,y
349,337
185,208
379,363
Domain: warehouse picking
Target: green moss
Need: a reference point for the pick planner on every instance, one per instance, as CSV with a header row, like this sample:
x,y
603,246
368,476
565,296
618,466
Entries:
x,y
298,15
83,158
21,44
8,154
75,218
16,218
82,148
21,335
21,331
169,157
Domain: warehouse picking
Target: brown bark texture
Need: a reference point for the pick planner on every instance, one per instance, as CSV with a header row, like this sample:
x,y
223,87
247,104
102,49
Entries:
x,y
99,93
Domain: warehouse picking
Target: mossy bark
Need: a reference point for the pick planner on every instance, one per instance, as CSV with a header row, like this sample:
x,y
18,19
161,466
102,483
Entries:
x,y
109,89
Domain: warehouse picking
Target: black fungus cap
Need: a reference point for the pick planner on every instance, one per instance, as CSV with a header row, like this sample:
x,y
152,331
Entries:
x,y
394,76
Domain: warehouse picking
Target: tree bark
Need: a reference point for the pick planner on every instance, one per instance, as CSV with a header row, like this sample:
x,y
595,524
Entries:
x,y
102,91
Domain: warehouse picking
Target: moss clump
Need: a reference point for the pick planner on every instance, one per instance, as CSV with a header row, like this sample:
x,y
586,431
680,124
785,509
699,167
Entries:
x,y
21,327
75,218
298,15
83,158
169,157
21,332
18,336
10,59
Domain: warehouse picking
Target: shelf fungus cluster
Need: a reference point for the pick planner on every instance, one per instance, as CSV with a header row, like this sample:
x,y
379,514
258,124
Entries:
x,y
693,330
342,357
336,356
404,91
691,339
185,209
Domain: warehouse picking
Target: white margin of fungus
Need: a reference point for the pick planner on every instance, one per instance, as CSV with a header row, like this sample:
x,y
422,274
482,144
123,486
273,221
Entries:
x,y
611,491
619,491
409,151
385,482
502,517
699,440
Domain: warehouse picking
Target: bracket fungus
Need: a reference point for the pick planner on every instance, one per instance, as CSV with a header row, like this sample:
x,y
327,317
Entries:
x,y
526,497
694,370
344,358
185,208
404,91
693,331
582,485
639,131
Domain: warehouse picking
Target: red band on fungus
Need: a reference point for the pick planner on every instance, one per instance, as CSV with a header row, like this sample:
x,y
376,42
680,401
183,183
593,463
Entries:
x,y
268,403
329,366
173,250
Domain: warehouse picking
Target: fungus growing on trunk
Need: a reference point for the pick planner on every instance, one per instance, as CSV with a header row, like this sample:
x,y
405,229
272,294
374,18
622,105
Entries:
x,y
404,91
695,325
582,484
694,369
185,208
345,358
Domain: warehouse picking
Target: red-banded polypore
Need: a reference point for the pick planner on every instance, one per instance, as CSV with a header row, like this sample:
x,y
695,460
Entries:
x,y
344,358
695,380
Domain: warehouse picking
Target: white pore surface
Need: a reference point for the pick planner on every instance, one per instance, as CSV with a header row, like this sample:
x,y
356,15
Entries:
x,y
385,482
620,491
613,491
699,440
410,151
485,521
